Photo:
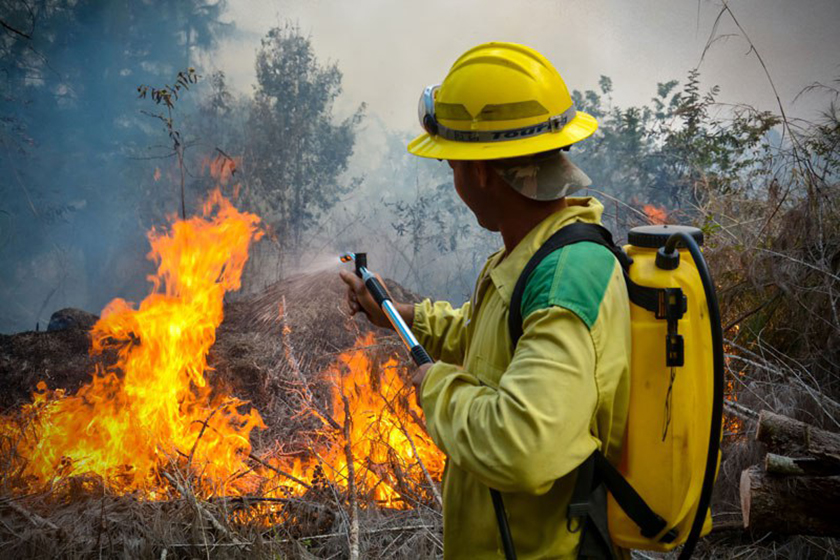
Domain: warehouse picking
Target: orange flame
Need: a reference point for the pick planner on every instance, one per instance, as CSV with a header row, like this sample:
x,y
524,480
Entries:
x,y
656,215
732,425
388,445
152,405
155,407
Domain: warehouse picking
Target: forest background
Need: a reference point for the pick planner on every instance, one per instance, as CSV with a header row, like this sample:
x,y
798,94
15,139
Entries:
x,y
88,165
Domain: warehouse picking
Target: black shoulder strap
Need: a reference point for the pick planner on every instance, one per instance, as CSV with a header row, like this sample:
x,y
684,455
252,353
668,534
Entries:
x,y
643,296
569,235
597,471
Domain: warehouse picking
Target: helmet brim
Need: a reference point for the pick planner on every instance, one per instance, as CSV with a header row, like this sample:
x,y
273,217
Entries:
x,y
428,146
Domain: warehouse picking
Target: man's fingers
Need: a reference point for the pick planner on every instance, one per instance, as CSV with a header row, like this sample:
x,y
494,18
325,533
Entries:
x,y
354,285
351,280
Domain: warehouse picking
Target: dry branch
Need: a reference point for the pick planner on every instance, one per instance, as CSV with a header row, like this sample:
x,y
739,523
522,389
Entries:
x,y
295,367
279,471
190,497
351,480
803,466
33,518
420,462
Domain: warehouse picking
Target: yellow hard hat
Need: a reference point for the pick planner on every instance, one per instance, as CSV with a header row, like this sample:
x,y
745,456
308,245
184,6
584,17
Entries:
x,y
499,100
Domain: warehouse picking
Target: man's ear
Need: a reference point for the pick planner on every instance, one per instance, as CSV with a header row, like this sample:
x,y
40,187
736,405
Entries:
x,y
483,173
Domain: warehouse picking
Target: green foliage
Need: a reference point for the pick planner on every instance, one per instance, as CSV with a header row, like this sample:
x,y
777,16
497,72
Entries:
x,y
167,96
434,218
296,151
77,156
823,138
664,152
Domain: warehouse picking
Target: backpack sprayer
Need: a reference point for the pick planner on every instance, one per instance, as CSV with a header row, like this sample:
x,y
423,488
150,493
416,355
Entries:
x,y
659,499
420,357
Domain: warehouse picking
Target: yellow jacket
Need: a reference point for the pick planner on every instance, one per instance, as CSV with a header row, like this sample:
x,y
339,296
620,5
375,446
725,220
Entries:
x,y
522,421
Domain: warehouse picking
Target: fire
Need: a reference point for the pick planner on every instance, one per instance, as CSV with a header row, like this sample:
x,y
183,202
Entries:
x,y
657,215
222,167
732,425
154,409
154,405
388,445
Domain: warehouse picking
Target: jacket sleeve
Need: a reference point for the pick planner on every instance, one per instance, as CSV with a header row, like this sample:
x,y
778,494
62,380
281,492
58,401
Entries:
x,y
533,428
441,329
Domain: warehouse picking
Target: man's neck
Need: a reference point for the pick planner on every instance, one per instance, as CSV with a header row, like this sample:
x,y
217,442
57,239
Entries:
x,y
517,223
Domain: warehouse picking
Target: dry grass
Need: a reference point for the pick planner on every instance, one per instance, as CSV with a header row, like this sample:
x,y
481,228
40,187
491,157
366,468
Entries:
x,y
82,518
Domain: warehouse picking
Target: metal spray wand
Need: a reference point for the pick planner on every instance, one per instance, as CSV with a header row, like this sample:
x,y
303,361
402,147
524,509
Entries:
x,y
383,300
420,357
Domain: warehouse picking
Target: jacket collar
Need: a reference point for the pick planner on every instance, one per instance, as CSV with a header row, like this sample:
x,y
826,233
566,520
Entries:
x,y
505,270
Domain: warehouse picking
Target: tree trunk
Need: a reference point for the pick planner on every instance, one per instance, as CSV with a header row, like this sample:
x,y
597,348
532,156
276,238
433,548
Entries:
x,y
793,505
786,436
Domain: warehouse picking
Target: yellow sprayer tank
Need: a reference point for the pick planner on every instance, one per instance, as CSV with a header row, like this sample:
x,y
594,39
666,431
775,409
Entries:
x,y
667,446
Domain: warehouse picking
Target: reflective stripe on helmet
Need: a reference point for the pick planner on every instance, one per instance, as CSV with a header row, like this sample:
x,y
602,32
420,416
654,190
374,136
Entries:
x,y
553,124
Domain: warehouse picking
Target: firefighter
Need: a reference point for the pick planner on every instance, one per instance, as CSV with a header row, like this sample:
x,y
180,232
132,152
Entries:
x,y
518,420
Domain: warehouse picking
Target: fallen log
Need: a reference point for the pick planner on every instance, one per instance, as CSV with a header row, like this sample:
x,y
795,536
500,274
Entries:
x,y
792,505
800,466
792,438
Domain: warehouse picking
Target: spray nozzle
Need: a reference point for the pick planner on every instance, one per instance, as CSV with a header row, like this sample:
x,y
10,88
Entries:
x,y
359,258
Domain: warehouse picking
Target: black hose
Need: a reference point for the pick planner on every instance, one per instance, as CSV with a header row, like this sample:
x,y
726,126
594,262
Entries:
x,y
504,528
717,404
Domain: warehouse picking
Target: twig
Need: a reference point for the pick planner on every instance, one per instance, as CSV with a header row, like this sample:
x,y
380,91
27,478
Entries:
x,y
215,545
8,27
351,480
366,532
801,262
201,433
753,311
201,509
740,411
404,430
33,518
280,472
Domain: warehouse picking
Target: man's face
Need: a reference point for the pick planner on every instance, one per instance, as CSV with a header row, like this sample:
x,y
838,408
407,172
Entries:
x,y
472,183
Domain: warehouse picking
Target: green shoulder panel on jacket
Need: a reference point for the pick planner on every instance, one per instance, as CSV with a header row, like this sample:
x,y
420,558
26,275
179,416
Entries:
x,y
574,277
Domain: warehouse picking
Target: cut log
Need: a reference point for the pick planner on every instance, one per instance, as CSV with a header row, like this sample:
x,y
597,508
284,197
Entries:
x,y
792,505
800,466
792,438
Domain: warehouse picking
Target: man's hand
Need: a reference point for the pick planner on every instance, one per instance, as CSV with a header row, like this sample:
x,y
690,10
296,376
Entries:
x,y
359,299
417,380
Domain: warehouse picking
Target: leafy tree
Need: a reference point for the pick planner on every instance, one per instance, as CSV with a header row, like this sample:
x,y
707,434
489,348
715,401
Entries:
x,y
75,148
684,139
296,150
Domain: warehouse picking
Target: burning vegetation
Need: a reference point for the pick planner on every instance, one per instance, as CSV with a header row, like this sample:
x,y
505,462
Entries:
x,y
151,426
154,404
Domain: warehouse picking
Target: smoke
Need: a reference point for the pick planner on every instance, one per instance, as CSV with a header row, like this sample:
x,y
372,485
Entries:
x,y
87,168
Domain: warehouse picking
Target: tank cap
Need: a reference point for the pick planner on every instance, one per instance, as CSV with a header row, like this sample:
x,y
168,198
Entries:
x,y
654,237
